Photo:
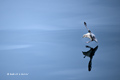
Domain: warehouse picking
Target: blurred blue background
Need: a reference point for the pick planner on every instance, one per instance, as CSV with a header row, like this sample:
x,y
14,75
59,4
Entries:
x,y
44,38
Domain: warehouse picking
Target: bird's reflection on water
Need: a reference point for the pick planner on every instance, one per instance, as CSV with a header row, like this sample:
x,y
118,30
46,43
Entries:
x,y
90,54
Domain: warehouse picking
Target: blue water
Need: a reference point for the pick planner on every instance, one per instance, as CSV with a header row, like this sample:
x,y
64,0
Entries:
x,y
43,39
57,54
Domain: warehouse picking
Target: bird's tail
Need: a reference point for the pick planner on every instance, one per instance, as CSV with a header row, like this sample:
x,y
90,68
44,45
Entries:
x,y
96,40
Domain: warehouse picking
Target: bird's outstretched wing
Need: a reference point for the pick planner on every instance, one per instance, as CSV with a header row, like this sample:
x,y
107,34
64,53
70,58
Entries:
x,y
86,25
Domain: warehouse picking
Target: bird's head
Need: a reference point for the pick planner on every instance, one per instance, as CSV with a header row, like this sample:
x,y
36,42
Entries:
x,y
89,31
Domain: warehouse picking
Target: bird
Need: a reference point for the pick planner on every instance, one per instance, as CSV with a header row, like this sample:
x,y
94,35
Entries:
x,y
89,35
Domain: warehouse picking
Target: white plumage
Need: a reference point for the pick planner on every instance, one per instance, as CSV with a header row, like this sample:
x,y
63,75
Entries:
x,y
91,36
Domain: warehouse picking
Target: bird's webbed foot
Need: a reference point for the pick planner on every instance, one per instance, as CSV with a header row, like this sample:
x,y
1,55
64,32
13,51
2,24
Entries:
x,y
88,42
